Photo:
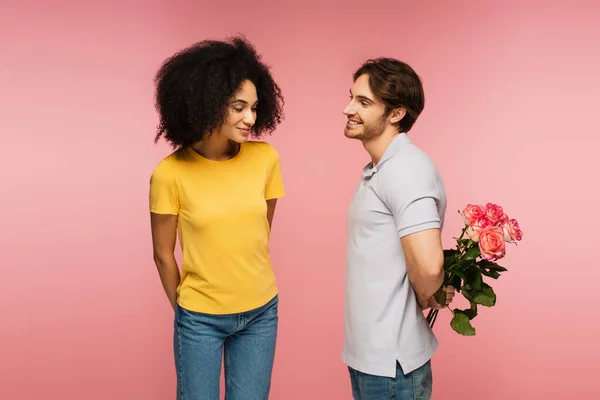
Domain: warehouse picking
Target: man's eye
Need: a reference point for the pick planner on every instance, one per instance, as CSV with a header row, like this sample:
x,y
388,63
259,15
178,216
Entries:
x,y
364,103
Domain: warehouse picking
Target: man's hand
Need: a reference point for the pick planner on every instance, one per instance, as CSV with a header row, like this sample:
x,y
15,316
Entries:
x,y
433,304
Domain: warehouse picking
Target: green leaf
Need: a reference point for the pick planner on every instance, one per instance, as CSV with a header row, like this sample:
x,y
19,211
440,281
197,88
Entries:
x,y
456,282
492,266
486,297
461,325
451,268
491,269
450,252
440,296
459,273
468,312
449,262
474,279
492,274
473,253
466,293
465,264
472,312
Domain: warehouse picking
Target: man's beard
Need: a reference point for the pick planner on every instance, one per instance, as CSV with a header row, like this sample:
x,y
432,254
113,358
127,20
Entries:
x,y
372,131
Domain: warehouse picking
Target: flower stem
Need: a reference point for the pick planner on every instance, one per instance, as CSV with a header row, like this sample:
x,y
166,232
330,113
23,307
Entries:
x,y
429,315
463,233
434,318
448,276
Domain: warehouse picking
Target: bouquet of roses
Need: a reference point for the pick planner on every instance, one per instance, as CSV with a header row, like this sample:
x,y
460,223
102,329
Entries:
x,y
488,230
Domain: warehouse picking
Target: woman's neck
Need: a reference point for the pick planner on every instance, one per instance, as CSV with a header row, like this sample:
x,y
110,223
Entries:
x,y
216,147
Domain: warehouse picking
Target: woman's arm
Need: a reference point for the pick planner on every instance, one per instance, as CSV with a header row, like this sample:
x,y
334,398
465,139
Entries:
x,y
164,235
271,203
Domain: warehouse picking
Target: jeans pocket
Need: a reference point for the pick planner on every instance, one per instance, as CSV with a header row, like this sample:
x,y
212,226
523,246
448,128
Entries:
x,y
422,382
272,308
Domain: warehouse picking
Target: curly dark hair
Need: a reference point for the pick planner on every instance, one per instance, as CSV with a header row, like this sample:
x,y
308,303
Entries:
x,y
194,87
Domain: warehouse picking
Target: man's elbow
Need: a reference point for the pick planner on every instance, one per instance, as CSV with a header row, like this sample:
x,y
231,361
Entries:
x,y
435,268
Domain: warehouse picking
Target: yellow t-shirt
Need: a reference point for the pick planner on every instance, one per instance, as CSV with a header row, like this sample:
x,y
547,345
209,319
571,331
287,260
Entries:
x,y
222,225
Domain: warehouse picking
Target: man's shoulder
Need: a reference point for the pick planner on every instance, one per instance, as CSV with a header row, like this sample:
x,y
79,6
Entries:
x,y
410,163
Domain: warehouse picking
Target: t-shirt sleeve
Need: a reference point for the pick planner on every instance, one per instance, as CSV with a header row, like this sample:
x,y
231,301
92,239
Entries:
x,y
164,197
274,188
411,193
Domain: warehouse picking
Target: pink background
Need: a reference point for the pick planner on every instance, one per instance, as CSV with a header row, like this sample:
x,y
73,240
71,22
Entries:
x,y
511,116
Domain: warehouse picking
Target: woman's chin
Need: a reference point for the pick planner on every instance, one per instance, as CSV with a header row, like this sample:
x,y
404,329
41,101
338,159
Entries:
x,y
240,138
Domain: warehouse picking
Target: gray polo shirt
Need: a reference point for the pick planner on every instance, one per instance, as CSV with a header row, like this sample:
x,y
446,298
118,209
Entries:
x,y
383,324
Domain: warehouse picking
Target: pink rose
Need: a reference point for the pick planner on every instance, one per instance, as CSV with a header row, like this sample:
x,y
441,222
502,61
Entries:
x,y
475,229
495,213
491,243
512,231
472,213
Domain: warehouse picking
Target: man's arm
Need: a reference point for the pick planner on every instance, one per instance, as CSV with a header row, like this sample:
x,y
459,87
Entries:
x,y
409,187
424,263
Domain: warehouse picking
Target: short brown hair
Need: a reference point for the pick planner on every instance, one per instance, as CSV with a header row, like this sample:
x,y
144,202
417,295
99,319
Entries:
x,y
397,85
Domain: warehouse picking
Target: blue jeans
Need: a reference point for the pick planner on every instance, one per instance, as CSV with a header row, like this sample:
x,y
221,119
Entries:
x,y
413,386
247,342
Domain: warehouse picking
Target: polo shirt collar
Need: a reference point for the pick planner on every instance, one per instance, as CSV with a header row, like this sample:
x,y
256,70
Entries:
x,y
393,148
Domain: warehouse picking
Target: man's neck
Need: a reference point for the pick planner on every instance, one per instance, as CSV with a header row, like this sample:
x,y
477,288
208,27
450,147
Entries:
x,y
376,147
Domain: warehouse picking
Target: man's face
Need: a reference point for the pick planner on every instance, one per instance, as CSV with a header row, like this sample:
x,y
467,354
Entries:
x,y
366,114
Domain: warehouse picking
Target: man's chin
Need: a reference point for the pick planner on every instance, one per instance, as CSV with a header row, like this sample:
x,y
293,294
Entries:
x,y
351,135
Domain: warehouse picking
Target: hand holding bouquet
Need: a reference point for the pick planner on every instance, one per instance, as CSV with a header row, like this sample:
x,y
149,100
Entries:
x,y
488,230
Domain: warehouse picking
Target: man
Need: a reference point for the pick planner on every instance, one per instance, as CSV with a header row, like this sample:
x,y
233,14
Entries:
x,y
394,249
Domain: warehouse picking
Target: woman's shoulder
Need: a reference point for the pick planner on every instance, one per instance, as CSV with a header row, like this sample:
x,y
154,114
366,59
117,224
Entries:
x,y
261,148
173,162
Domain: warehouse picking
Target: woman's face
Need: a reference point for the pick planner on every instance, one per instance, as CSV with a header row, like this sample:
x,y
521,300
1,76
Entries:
x,y
241,114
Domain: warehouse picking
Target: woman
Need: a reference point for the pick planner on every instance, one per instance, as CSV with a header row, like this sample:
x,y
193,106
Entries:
x,y
218,192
